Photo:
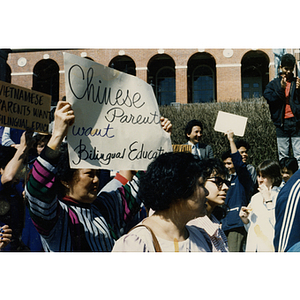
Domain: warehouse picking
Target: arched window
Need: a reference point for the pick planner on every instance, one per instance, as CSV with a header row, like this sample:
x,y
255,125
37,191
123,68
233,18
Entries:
x,y
165,86
161,76
46,79
203,84
255,74
251,83
201,78
123,63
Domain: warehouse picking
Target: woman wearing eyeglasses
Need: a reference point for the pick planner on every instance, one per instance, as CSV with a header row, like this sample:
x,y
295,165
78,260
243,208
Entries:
x,y
217,186
259,215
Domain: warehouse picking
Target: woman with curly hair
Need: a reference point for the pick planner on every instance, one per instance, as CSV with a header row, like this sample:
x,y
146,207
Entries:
x,y
173,187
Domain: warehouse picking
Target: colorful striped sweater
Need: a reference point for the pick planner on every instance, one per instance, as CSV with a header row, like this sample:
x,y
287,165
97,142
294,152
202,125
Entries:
x,y
68,225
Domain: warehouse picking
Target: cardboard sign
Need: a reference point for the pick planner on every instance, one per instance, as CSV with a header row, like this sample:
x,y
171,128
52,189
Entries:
x,y
22,108
117,120
182,148
226,121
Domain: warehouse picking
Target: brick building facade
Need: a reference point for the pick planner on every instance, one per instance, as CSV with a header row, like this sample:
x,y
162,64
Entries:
x,y
177,75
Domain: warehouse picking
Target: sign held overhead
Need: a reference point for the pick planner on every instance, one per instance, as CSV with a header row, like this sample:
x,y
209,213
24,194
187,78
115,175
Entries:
x,y
226,121
117,120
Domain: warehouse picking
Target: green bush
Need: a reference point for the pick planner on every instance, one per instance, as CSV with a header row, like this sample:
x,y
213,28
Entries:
x,y
259,133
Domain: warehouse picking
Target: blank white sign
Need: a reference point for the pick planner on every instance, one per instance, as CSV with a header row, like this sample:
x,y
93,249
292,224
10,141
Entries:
x,y
226,121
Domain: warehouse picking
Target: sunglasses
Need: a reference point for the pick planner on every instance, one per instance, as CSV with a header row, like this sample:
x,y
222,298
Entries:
x,y
219,181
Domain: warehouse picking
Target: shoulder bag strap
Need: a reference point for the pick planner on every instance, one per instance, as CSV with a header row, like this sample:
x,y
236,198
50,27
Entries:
x,y
155,241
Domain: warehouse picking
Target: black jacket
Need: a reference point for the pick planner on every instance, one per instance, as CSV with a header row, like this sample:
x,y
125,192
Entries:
x,y
275,97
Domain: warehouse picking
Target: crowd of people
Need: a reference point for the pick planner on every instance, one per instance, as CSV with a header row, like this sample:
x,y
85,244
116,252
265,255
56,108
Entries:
x,y
183,202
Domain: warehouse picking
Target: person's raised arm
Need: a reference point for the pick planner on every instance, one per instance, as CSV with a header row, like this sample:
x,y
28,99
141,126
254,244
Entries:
x,y
240,167
232,145
40,190
64,117
15,164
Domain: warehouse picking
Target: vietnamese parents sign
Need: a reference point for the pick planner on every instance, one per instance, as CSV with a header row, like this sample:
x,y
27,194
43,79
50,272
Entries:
x,y
117,119
22,108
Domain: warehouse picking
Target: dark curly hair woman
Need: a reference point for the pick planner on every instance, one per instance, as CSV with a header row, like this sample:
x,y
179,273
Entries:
x,y
173,186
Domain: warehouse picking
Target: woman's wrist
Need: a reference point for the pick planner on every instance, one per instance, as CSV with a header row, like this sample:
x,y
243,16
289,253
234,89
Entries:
x,y
55,141
245,220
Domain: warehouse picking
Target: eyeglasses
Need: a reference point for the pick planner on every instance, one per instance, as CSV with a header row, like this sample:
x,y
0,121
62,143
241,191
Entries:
x,y
219,181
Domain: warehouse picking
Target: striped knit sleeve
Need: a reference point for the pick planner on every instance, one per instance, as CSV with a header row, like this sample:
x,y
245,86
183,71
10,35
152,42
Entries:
x,y
130,202
287,215
118,207
41,196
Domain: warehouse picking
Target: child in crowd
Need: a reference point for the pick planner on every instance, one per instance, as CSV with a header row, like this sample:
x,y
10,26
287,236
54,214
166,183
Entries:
x,y
259,215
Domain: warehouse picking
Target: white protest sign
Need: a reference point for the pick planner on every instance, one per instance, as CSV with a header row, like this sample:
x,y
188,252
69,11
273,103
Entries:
x,y
117,119
226,121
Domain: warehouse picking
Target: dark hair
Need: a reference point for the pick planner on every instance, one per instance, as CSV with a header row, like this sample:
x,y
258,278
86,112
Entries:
x,y
290,163
42,138
64,172
6,154
225,155
242,143
288,60
214,166
189,126
169,178
270,169
38,138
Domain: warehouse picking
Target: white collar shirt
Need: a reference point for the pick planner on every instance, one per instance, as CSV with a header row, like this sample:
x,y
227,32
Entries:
x,y
195,149
213,229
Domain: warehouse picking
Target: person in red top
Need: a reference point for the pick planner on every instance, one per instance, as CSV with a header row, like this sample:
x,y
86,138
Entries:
x,y
283,97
